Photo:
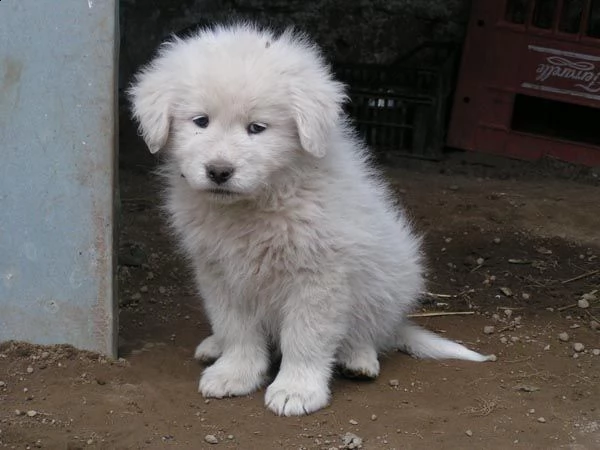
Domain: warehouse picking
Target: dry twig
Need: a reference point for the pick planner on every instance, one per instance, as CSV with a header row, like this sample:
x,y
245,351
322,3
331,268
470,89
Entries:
x,y
583,275
486,406
562,308
442,313
434,295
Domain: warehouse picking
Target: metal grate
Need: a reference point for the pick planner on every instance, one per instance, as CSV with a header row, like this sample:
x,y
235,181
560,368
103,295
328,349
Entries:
x,y
401,108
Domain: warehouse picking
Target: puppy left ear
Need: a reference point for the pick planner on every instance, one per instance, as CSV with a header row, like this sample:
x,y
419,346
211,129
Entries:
x,y
317,105
151,100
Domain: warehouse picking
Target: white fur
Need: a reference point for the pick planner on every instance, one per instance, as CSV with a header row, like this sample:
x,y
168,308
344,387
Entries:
x,y
302,247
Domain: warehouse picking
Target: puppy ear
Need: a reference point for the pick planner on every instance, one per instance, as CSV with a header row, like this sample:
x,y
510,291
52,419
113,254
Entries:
x,y
317,105
151,101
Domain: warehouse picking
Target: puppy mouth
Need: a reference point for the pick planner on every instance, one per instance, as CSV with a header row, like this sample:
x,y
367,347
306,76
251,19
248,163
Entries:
x,y
222,192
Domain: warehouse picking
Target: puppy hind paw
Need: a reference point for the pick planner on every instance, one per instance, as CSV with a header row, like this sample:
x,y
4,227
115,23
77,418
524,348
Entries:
x,y
360,365
208,350
359,373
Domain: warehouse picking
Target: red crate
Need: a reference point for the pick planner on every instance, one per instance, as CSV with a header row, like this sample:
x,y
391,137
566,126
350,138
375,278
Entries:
x,y
529,82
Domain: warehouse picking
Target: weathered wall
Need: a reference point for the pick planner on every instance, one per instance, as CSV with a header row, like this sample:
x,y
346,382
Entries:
x,y
349,30
58,64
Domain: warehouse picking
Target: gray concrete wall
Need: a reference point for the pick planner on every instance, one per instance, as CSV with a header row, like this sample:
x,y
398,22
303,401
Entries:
x,y
57,176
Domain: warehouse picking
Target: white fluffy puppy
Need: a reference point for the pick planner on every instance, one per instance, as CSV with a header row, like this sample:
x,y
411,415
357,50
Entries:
x,y
295,243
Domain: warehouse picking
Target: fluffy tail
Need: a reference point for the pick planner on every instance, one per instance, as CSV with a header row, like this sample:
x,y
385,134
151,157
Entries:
x,y
425,344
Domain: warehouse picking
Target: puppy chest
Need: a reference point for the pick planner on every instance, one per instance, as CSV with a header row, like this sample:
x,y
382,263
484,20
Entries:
x,y
264,249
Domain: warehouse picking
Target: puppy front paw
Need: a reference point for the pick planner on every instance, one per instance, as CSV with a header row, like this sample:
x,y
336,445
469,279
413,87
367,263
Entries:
x,y
296,397
208,350
228,379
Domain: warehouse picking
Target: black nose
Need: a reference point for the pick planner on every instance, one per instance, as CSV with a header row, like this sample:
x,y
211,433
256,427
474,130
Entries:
x,y
219,173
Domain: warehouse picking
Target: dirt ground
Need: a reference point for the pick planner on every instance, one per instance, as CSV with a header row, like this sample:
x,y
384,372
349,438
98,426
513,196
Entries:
x,y
516,246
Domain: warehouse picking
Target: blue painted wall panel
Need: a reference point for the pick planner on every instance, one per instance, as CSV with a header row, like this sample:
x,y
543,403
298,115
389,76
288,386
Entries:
x,y
58,62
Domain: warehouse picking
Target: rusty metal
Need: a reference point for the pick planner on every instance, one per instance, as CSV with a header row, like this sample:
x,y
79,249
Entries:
x,y
529,82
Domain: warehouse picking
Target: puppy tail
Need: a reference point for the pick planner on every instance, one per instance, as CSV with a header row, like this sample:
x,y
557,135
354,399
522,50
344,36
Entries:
x,y
421,343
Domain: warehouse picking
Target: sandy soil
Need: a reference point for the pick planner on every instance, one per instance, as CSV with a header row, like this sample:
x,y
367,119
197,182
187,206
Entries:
x,y
506,250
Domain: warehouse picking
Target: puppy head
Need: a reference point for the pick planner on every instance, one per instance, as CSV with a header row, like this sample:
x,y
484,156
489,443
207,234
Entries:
x,y
236,105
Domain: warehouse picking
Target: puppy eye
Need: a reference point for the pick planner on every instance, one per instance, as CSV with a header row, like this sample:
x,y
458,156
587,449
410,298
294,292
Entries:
x,y
256,128
201,121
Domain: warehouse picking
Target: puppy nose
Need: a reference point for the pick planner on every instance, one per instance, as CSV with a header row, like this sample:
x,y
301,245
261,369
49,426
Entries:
x,y
219,172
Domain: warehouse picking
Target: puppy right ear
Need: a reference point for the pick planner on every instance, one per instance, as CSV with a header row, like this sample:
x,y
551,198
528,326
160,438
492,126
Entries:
x,y
151,101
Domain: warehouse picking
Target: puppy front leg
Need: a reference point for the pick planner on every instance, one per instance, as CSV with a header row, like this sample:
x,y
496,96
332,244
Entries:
x,y
242,367
313,324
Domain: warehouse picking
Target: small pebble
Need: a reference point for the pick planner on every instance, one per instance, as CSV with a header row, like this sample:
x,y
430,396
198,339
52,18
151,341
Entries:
x,y
583,303
492,358
45,355
547,347
353,422
374,417
594,325
514,339
144,289
596,352
469,433
32,413
2,384
497,240
89,441
211,439
578,346
508,312
489,329
18,412
162,290
496,317
563,337
230,437
531,411
525,296
394,383
480,261
136,296
30,369
541,420
504,340
350,441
